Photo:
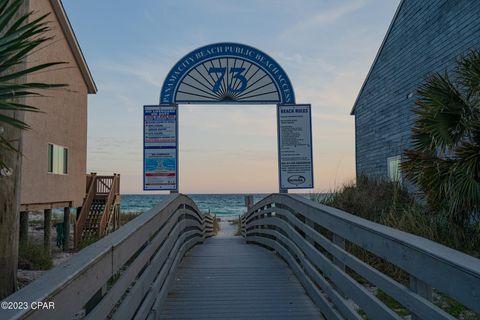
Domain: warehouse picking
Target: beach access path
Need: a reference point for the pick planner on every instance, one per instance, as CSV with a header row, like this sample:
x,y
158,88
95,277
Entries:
x,y
225,278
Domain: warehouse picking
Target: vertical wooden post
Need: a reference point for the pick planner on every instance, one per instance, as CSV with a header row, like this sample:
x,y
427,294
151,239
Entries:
x,y
23,227
66,228
311,224
248,201
339,241
422,289
117,204
77,213
47,230
114,218
76,233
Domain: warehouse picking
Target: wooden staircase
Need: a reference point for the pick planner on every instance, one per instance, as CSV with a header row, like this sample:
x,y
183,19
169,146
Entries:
x,y
100,211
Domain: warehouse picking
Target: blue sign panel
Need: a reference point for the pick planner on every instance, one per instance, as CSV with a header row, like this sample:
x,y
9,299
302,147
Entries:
x,y
160,147
227,73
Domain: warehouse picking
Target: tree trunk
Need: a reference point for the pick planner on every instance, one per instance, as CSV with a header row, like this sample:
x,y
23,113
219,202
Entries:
x,y
23,227
9,211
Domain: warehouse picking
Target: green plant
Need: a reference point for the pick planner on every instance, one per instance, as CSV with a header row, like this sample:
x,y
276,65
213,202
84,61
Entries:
x,y
20,35
369,198
126,217
392,304
389,204
216,225
444,161
236,222
87,241
34,256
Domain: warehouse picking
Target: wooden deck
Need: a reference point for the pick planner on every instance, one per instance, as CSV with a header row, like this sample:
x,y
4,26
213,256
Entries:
x,y
228,279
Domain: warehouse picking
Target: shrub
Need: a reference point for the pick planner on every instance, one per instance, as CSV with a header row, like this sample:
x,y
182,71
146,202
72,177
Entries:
x,y
126,217
389,204
33,256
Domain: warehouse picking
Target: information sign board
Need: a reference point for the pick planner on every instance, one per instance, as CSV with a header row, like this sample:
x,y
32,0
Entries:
x,y
295,161
160,147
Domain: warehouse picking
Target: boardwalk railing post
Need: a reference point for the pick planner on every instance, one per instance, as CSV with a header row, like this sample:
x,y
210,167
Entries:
x,y
339,241
248,201
422,289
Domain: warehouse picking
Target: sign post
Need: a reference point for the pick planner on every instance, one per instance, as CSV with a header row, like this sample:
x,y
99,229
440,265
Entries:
x,y
295,160
160,147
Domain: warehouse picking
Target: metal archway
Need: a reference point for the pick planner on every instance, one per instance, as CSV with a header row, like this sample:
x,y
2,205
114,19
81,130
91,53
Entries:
x,y
227,73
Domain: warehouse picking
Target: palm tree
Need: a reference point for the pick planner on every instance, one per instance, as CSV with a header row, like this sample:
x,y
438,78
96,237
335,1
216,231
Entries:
x,y
444,161
20,34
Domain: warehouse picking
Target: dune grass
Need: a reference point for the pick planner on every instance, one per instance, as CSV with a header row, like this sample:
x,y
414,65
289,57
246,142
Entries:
x,y
237,223
390,204
34,257
216,225
125,217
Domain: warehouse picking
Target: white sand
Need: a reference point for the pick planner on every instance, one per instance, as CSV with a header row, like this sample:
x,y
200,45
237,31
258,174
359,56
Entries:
x,y
227,229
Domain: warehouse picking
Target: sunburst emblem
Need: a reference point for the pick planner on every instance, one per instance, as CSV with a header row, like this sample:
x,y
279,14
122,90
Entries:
x,y
226,80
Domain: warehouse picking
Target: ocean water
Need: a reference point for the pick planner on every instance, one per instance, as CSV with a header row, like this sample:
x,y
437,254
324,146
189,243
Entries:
x,y
219,204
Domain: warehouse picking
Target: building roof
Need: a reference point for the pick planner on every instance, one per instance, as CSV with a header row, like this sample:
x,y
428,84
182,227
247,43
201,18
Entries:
x,y
74,46
376,57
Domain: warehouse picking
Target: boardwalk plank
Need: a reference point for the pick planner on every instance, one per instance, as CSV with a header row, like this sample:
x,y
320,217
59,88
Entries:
x,y
228,279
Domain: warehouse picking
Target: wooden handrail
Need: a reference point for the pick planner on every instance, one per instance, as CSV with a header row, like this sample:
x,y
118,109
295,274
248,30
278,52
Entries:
x,y
109,203
311,238
124,275
87,203
89,181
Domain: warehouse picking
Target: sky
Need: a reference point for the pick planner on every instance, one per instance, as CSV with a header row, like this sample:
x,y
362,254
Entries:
x,y
325,46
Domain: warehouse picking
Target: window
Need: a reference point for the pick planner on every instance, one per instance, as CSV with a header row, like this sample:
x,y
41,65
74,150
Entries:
x,y
393,165
57,159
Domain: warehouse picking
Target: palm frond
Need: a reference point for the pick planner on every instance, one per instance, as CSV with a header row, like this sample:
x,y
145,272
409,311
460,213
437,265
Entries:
x,y
440,111
14,122
469,72
444,160
20,35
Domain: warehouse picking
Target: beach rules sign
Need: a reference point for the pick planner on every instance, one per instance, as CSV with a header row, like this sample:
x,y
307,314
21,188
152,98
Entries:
x,y
160,147
295,161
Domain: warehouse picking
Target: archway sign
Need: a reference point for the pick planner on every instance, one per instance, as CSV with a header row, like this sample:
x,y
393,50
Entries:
x,y
227,73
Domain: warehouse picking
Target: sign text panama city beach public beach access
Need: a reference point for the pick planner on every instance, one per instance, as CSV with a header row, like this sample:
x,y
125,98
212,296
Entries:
x,y
227,73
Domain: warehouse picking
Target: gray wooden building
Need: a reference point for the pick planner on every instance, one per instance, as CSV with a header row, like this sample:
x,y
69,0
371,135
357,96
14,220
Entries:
x,y
423,37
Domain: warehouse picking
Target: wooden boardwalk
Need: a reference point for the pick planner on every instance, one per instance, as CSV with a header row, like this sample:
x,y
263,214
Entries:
x,y
224,278
228,279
